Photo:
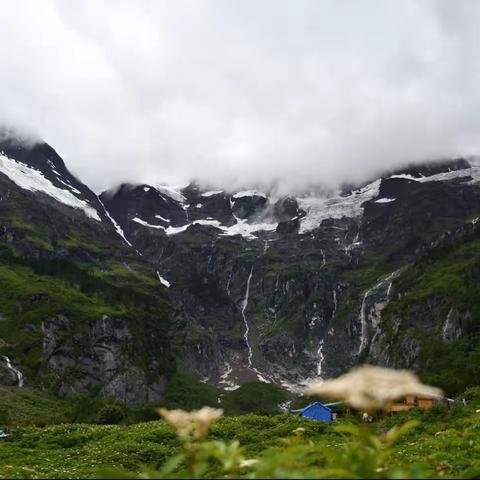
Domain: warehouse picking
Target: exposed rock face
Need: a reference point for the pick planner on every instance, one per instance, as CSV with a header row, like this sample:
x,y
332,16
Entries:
x,y
286,208
100,356
456,324
147,203
285,306
56,234
249,207
433,168
288,214
288,226
10,375
259,288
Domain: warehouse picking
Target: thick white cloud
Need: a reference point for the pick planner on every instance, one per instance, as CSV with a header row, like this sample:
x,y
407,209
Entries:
x,y
242,91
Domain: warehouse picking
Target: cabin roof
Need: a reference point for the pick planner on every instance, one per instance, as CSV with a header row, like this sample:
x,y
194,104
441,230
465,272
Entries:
x,y
313,404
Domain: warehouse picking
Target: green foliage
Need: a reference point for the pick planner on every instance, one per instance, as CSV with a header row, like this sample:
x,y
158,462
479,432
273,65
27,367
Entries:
x,y
25,406
446,442
34,289
472,395
255,397
453,274
93,409
111,413
187,393
452,367
447,277
367,276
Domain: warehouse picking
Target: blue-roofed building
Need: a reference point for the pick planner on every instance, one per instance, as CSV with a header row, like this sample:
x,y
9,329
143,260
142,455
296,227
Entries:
x,y
317,411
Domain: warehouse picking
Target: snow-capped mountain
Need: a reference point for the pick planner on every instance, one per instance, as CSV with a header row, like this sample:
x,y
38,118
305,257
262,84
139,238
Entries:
x,y
264,287
38,168
251,213
67,282
230,286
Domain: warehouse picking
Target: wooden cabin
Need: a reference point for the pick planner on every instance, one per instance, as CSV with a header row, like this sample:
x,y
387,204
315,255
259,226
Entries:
x,y
412,401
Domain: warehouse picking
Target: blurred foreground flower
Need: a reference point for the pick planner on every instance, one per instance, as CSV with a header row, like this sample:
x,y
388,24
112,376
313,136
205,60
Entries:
x,y
372,388
193,425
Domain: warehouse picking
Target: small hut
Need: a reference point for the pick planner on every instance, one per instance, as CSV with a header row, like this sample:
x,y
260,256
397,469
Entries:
x,y
316,411
412,401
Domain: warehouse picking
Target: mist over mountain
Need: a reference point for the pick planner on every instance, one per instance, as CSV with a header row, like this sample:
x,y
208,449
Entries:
x,y
299,94
262,210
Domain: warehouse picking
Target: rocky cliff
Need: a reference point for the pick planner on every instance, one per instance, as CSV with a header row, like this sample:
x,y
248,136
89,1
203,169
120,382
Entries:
x,y
80,311
113,294
284,290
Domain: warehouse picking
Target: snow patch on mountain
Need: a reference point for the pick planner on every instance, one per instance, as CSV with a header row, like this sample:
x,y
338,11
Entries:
x,y
211,193
73,189
174,192
473,171
247,230
240,228
162,218
34,181
163,281
248,193
146,224
117,227
319,208
335,206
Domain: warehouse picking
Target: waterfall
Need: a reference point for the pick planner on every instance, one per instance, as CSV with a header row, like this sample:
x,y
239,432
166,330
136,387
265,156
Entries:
x,y
212,251
363,321
18,374
185,208
162,280
335,304
321,345
265,247
228,282
321,357
356,239
324,259
104,325
349,247
247,330
364,316
275,293
447,325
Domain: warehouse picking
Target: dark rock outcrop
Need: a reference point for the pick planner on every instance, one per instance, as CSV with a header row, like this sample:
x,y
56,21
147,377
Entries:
x,y
100,356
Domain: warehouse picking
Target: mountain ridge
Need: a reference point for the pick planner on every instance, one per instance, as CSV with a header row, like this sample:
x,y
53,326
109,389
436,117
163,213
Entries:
x,y
248,287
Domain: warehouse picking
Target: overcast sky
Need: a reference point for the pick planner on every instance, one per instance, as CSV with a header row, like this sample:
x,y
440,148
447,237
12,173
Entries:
x,y
242,91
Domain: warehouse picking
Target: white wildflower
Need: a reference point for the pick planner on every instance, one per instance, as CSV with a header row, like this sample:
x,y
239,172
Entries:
x,y
193,425
371,388
299,431
248,463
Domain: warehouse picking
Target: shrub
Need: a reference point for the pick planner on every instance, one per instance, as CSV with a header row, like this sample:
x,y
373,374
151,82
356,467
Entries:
x,y
111,413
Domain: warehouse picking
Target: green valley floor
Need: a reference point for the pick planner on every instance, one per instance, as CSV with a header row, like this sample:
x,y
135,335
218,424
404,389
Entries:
x,y
445,443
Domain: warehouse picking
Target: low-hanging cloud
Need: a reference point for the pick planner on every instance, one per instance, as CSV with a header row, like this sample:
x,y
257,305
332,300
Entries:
x,y
241,92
